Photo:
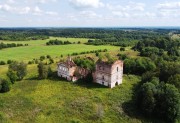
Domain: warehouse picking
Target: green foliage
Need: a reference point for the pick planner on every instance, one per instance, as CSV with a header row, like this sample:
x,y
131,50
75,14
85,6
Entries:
x,y
110,58
2,62
12,75
122,49
3,46
147,76
159,100
85,63
42,58
43,71
138,66
17,71
168,69
122,56
4,86
148,51
58,42
173,52
175,80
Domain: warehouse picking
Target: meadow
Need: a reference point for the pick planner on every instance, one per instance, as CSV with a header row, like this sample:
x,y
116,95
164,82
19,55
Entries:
x,y
55,100
39,48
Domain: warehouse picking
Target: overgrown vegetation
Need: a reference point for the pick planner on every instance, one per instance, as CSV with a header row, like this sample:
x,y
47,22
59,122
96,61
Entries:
x,y
58,42
49,99
3,45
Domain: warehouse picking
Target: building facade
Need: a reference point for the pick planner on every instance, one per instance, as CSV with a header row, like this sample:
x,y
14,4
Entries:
x,y
108,74
70,71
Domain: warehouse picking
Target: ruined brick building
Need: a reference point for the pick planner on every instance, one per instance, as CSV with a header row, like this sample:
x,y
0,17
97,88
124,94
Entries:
x,y
105,73
70,71
108,74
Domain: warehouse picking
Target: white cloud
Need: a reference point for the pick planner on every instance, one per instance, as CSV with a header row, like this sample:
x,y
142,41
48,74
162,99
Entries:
x,y
51,13
25,10
169,5
89,14
86,3
169,9
127,11
46,1
6,8
11,1
130,7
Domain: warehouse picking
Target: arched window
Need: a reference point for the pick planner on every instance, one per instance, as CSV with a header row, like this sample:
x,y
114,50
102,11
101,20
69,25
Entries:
x,y
103,77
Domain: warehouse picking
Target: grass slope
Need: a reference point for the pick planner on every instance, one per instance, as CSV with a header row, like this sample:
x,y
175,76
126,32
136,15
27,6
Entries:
x,y
45,101
38,48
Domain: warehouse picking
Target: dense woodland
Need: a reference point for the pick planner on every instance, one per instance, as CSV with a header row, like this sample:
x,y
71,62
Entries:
x,y
157,95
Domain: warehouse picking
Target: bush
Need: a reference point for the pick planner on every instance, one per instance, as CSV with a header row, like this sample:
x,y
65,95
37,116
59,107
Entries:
x,y
2,62
122,49
48,56
42,58
12,75
17,70
5,86
9,61
43,71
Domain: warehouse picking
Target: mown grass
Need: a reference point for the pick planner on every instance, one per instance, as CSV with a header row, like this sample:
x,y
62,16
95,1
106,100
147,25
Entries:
x,y
43,42
55,100
31,52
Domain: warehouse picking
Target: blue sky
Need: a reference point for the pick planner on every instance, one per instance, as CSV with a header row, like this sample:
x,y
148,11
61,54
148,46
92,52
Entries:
x,y
89,13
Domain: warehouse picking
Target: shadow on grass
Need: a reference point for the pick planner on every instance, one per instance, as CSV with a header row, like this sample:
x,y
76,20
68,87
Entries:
x,y
81,82
130,107
89,85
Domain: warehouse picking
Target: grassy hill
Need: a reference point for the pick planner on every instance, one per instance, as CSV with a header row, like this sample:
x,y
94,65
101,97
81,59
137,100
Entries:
x,y
55,100
39,48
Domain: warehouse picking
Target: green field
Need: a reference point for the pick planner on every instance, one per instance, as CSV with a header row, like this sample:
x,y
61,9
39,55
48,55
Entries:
x,y
38,48
55,100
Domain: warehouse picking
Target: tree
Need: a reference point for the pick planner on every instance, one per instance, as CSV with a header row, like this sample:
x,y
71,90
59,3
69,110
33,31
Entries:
x,y
168,69
146,98
12,75
159,100
175,80
5,86
147,76
17,71
42,58
122,49
42,71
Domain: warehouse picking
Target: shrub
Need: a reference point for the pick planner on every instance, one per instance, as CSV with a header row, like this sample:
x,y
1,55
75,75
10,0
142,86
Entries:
x,y
2,62
48,56
122,49
9,61
5,86
18,70
42,58
43,71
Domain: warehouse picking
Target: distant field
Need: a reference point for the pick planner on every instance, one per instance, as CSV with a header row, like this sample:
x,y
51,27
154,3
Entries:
x,y
55,100
43,42
176,36
38,48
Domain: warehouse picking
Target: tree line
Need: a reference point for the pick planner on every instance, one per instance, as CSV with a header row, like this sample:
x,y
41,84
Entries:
x,y
10,45
58,42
